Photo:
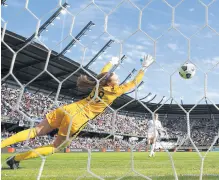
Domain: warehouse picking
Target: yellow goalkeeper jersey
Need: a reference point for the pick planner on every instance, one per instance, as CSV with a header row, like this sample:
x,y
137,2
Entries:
x,y
107,95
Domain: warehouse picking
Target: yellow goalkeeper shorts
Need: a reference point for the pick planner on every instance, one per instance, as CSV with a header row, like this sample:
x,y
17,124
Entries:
x,y
61,118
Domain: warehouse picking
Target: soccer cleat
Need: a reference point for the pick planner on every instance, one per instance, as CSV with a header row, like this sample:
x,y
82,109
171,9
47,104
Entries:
x,y
151,154
12,163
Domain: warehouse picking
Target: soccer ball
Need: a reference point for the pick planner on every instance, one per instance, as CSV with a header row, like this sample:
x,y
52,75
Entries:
x,y
187,70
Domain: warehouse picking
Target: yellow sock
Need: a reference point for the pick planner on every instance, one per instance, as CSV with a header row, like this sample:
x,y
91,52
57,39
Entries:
x,y
43,150
21,136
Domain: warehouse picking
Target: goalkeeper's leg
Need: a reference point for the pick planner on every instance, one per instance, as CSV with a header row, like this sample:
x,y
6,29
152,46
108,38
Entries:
x,y
52,121
41,129
43,150
13,162
58,145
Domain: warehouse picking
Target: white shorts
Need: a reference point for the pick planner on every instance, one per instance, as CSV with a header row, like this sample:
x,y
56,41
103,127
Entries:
x,y
151,134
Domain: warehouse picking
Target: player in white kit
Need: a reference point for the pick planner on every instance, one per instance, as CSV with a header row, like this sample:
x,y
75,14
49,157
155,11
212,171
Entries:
x,y
153,133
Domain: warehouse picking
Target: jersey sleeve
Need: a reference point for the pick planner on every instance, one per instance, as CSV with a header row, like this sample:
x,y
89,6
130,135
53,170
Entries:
x,y
130,85
106,68
160,127
148,124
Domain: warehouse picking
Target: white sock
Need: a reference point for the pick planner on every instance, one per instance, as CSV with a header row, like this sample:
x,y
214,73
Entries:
x,y
152,149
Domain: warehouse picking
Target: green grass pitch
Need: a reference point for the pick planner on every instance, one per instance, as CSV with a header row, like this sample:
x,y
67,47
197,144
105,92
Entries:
x,y
114,165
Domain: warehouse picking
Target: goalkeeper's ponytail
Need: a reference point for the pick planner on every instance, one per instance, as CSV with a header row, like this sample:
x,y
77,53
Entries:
x,y
86,82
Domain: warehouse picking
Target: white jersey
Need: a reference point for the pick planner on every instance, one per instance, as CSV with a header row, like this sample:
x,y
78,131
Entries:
x,y
157,125
151,126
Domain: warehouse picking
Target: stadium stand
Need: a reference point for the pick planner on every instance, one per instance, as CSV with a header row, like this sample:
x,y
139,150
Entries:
x,y
30,62
203,128
131,121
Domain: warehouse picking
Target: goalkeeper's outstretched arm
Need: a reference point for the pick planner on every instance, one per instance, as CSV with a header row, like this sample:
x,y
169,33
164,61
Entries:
x,y
147,61
110,64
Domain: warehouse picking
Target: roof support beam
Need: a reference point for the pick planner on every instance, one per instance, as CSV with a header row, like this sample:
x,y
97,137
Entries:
x,y
152,98
145,96
107,45
73,41
142,82
3,2
116,66
41,29
129,76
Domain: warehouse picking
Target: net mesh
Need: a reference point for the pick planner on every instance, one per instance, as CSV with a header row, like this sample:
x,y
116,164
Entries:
x,y
131,167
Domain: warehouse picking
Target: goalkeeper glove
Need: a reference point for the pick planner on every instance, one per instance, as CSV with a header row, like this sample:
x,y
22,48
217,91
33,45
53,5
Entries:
x,y
114,60
147,61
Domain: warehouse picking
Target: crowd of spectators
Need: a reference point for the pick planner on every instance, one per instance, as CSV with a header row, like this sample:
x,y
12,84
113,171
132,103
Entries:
x,y
204,131
79,142
124,124
36,105
35,142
